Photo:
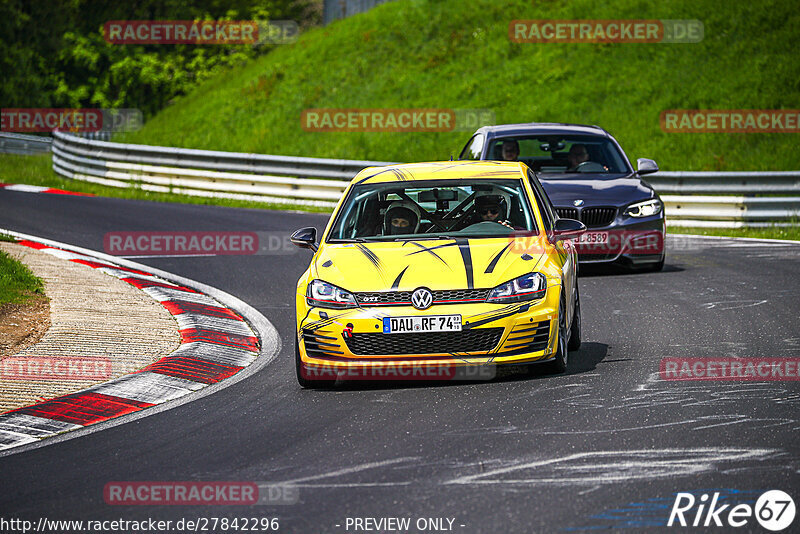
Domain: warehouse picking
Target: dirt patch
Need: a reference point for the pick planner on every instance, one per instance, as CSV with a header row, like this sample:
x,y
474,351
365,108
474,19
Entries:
x,y
22,325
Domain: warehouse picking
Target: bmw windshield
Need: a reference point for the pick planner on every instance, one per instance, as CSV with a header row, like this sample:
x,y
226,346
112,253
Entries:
x,y
561,154
433,210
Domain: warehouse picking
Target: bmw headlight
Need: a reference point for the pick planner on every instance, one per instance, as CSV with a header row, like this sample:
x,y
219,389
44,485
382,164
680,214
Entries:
x,y
531,286
644,209
325,295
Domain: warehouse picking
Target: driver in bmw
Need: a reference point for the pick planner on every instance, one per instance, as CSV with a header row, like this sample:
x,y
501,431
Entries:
x,y
577,155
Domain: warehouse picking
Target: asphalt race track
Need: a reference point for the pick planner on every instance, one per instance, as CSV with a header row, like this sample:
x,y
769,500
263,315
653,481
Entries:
x,y
607,445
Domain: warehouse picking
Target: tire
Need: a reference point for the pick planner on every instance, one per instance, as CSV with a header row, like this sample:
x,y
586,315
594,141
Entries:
x,y
304,382
656,267
559,363
575,328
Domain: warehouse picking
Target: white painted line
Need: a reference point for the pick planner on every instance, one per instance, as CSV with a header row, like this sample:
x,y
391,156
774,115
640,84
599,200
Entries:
x,y
153,388
163,294
33,425
228,326
216,353
10,440
25,188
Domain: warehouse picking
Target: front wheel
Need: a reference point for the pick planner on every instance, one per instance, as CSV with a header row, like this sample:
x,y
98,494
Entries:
x,y
575,329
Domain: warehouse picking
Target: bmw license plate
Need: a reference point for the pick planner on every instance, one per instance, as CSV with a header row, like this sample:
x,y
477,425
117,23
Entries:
x,y
591,238
429,323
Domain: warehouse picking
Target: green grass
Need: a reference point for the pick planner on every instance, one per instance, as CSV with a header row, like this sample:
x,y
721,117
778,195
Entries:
x,y
446,54
37,170
773,232
17,283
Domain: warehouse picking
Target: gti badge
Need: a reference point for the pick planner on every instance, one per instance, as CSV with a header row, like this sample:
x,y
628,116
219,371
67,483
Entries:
x,y
577,203
422,299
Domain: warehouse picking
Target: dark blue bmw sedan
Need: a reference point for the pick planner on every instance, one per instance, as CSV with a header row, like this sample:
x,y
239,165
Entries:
x,y
588,177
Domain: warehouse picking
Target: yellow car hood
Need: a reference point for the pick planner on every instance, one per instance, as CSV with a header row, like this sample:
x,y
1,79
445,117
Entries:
x,y
435,264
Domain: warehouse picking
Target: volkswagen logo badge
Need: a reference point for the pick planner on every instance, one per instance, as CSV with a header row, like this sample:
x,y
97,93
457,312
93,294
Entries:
x,y
578,202
422,299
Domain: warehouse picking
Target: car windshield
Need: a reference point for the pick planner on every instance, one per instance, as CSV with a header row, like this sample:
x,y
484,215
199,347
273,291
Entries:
x,y
433,210
561,154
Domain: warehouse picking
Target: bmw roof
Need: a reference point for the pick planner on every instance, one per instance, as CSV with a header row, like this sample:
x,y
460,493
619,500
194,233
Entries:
x,y
556,128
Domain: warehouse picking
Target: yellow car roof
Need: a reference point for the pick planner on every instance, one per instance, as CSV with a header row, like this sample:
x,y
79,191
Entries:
x,y
441,170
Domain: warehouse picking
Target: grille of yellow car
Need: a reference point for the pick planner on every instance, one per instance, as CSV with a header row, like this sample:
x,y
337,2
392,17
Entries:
x,y
531,337
403,298
474,340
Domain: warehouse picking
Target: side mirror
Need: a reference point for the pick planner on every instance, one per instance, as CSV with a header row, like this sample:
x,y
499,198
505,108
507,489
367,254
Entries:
x,y
567,229
305,238
646,166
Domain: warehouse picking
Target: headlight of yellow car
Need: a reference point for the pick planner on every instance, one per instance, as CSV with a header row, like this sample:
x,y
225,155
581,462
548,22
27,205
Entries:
x,y
531,286
325,295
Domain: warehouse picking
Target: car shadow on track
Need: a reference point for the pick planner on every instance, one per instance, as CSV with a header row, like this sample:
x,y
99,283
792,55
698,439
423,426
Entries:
x,y
581,361
590,271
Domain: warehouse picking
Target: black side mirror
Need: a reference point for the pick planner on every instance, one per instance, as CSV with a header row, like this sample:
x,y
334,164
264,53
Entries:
x,y
567,229
646,166
305,238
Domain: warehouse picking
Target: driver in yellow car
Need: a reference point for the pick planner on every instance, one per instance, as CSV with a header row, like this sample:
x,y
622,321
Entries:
x,y
492,208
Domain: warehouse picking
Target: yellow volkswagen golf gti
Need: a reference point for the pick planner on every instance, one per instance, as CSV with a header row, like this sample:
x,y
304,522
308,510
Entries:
x,y
437,271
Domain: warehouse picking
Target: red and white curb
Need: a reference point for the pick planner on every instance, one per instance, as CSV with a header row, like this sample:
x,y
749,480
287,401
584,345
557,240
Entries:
x,y
25,188
216,344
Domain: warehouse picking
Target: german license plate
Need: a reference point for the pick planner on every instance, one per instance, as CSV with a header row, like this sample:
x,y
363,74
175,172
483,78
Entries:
x,y
429,323
590,238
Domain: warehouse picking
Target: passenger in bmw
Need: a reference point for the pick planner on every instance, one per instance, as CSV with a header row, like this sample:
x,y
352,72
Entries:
x,y
401,217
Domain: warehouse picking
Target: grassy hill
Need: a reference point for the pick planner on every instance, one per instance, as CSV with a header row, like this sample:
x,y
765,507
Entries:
x,y
457,54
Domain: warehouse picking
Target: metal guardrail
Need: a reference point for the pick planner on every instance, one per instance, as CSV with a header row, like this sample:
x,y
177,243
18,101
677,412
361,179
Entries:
x,y
320,182
14,143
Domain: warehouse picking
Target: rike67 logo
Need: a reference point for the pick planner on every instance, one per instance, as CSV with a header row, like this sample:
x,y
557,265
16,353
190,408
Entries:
x,y
774,510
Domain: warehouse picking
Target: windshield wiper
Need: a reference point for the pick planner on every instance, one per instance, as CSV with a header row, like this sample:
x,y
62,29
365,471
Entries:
x,y
424,238
348,240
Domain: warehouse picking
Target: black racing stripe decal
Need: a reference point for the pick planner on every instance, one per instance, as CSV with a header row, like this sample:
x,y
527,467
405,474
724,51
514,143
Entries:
x,y
426,249
466,255
400,175
396,282
370,256
373,175
493,263
497,317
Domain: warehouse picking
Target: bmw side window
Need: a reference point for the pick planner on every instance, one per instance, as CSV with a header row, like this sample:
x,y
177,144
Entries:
x,y
473,148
